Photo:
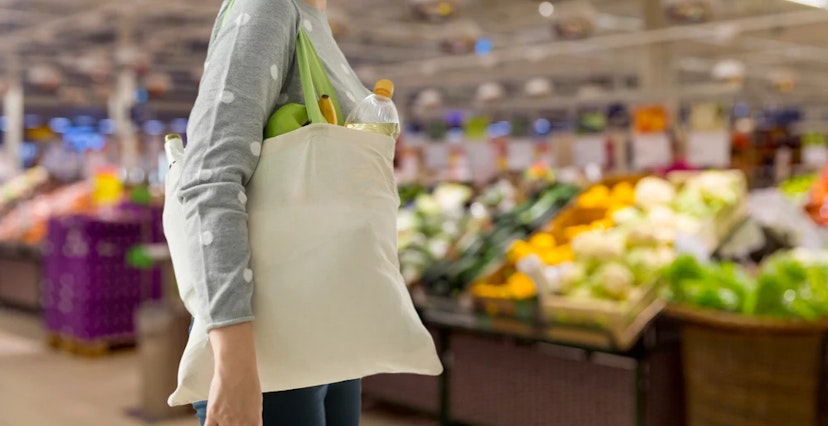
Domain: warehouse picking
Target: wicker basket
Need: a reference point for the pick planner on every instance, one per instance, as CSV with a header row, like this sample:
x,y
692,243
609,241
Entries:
x,y
745,371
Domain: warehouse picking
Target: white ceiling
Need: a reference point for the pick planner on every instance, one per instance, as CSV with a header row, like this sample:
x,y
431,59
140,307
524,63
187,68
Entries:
x,y
384,39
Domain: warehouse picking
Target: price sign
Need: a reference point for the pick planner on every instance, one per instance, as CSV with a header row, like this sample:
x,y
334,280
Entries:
x,y
521,153
590,150
708,149
436,156
481,157
651,150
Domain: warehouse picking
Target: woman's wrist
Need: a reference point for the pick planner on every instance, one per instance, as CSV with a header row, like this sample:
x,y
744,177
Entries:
x,y
233,348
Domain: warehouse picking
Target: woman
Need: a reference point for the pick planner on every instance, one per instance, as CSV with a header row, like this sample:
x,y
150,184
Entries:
x,y
249,73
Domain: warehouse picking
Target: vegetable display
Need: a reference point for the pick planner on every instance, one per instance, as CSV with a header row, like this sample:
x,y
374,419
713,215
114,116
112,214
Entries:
x,y
789,284
483,251
617,240
431,224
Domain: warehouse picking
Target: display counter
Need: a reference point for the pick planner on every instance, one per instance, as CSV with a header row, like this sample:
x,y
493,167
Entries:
x,y
500,372
20,275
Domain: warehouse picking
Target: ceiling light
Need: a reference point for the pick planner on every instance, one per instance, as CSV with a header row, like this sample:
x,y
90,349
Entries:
x,y
729,70
812,3
546,9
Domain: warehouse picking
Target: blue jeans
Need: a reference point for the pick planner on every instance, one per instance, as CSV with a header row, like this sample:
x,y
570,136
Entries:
x,y
338,404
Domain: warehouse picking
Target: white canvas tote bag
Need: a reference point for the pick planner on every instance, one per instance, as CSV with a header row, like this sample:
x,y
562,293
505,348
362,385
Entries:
x,y
329,300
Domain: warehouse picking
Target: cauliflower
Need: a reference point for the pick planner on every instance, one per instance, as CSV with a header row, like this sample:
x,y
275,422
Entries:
x,y
613,281
451,197
709,192
652,191
565,277
686,224
427,205
662,221
599,245
626,215
718,188
641,234
438,247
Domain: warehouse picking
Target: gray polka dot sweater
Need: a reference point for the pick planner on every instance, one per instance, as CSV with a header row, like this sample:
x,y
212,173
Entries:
x,y
249,73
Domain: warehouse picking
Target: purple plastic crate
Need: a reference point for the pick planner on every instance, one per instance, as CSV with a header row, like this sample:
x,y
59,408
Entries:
x,y
151,218
90,292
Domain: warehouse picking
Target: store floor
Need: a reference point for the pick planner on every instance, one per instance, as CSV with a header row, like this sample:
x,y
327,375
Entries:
x,y
42,387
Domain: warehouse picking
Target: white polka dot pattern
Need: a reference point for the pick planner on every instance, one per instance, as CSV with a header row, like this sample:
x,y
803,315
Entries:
x,y
248,275
206,238
274,72
256,148
308,25
227,97
243,19
206,174
242,197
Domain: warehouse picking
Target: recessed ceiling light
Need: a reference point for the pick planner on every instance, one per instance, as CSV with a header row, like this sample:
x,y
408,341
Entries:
x,y
546,9
812,3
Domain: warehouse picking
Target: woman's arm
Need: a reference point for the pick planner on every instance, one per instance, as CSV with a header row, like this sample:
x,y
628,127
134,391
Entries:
x,y
245,70
248,59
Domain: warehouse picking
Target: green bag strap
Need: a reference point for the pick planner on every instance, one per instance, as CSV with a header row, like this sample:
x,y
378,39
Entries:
x,y
315,81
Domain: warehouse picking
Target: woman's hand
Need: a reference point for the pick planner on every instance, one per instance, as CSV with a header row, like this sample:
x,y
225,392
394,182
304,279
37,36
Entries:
x,y
235,394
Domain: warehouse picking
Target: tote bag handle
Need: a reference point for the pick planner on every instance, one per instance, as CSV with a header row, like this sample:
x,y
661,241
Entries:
x,y
315,81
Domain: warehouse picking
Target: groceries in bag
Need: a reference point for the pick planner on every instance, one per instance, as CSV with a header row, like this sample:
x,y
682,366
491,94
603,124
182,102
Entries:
x,y
377,112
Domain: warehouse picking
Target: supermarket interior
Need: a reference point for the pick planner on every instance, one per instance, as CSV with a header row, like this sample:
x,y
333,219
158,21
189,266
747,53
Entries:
x,y
611,212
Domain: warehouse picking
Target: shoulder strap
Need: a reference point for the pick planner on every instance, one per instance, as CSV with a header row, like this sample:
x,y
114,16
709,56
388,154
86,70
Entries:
x,y
315,81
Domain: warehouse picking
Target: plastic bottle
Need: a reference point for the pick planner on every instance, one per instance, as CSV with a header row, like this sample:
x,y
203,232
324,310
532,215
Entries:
x,y
377,112
174,147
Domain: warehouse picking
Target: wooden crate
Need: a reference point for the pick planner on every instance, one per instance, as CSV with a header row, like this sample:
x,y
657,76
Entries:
x,y
621,321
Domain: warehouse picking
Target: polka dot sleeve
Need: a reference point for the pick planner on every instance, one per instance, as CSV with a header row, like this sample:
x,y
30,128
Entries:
x,y
251,49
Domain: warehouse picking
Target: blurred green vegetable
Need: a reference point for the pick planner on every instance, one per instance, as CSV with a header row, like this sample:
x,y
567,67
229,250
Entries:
x,y
792,284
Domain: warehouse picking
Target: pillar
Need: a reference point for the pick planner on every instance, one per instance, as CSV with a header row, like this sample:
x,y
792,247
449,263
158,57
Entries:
x,y
13,110
123,99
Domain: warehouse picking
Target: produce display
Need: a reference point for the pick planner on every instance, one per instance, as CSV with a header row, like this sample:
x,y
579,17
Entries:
x,y
818,197
597,203
798,188
480,252
617,254
431,224
27,222
21,186
792,284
